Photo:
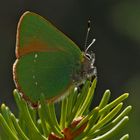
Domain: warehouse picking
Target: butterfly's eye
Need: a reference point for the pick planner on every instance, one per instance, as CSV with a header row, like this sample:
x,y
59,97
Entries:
x,y
88,56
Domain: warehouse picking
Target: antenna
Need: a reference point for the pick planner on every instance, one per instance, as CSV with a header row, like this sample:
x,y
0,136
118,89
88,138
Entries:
x,y
90,45
87,35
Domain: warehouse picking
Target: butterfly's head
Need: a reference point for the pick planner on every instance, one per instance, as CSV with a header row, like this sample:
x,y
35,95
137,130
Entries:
x,y
88,68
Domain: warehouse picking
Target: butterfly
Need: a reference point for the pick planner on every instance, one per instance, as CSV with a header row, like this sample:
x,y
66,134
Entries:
x,y
48,62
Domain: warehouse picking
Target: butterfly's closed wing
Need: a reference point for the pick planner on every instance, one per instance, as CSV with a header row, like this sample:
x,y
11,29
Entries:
x,y
46,59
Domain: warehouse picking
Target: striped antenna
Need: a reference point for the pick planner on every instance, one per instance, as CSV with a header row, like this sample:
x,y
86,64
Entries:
x,y
87,35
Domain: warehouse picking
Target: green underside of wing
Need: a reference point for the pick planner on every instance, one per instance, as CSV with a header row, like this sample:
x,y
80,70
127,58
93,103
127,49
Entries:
x,y
45,73
35,28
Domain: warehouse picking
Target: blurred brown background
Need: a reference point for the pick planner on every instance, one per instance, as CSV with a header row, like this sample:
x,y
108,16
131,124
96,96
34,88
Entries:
x,y
116,27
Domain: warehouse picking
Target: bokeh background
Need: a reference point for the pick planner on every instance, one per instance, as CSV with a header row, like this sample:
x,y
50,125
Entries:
x,y
116,27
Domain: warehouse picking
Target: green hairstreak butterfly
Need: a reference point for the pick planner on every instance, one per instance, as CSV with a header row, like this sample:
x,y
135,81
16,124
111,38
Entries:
x,y
48,62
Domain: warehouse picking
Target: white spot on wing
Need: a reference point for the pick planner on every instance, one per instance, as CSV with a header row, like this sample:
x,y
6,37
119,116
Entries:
x,y
36,83
36,55
34,77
